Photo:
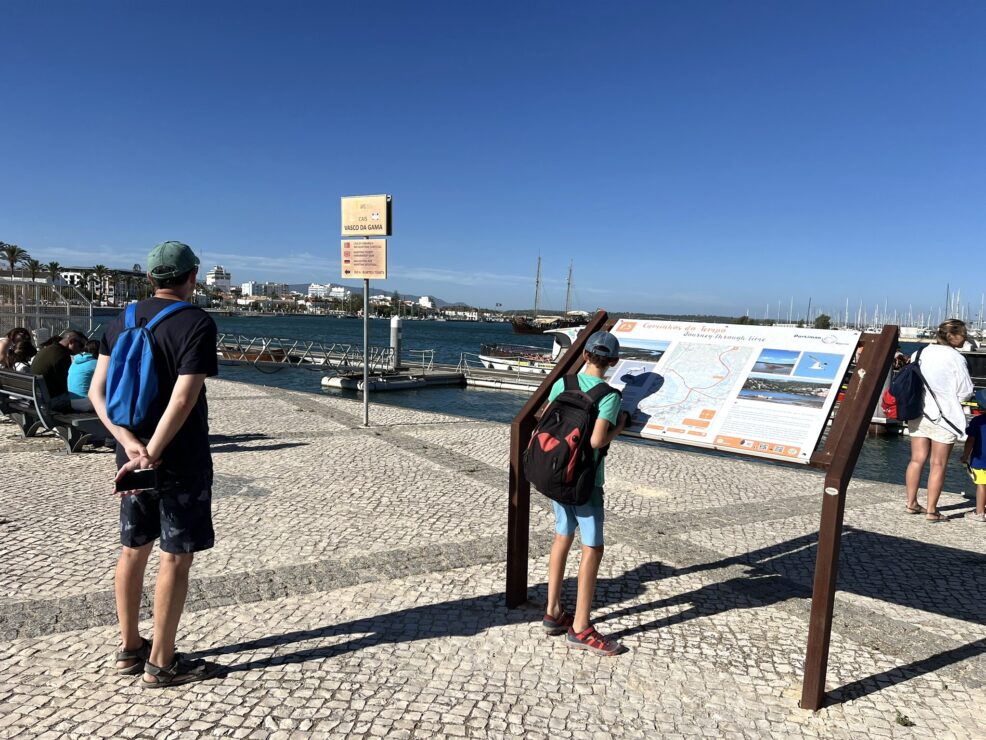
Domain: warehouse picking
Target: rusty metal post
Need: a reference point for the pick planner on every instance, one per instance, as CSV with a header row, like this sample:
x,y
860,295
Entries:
x,y
519,511
841,451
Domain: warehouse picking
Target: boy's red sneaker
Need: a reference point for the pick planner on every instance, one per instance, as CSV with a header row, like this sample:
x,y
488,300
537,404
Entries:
x,y
589,639
557,625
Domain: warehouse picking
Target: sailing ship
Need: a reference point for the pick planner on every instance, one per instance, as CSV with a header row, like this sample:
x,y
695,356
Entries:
x,y
538,324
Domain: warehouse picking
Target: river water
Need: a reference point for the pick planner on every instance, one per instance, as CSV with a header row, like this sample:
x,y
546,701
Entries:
x,y
882,458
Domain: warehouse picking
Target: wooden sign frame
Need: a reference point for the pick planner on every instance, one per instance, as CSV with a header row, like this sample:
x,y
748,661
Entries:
x,y
837,457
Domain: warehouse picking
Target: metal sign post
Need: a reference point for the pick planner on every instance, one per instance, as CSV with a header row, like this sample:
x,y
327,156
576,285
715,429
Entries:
x,y
363,216
366,352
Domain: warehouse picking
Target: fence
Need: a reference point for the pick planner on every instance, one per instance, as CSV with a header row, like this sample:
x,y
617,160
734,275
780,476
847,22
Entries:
x,y
43,308
328,357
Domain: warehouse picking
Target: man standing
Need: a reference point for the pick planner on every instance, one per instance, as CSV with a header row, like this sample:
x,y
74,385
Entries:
x,y
173,439
53,362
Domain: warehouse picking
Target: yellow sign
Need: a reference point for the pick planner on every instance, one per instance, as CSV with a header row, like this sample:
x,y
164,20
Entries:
x,y
364,258
366,215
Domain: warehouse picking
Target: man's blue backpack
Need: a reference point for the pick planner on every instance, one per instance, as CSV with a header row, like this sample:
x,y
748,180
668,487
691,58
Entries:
x,y
907,390
131,383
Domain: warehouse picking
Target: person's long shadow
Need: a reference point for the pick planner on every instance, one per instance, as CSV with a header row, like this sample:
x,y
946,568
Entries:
x,y
458,618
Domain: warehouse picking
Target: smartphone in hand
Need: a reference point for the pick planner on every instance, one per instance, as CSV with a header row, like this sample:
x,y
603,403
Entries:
x,y
137,480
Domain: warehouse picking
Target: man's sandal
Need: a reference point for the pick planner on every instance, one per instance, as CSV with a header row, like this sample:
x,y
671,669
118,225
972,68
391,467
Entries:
x,y
181,671
916,509
138,656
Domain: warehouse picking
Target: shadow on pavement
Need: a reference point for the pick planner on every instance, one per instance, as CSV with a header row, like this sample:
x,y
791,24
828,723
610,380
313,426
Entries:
x,y
919,575
458,618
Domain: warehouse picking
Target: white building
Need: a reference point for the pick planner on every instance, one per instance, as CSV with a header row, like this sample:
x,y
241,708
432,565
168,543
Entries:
x,y
251,287
340,292
426,301
219,278
319,291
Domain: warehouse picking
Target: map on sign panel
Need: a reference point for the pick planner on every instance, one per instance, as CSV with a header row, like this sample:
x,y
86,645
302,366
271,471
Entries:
x,y
696,381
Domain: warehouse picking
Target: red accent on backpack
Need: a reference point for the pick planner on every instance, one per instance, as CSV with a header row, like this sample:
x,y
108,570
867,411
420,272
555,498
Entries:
x,y
889,405
573,446
547,442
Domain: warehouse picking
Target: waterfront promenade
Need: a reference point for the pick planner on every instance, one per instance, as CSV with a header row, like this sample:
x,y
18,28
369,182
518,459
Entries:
x,y
356,589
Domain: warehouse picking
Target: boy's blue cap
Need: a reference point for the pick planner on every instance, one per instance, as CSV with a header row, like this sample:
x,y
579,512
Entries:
x,y
604,344
981,398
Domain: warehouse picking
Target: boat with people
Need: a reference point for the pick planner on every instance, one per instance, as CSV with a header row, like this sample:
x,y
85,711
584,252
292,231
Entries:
x,y
542,324
527,359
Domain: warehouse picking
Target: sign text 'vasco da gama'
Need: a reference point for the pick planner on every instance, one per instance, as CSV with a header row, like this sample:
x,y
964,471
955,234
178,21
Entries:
x,y
364,258
366,215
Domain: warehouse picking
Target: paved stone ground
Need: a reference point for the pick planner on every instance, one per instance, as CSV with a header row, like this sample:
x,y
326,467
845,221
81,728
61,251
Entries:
x,y
357,590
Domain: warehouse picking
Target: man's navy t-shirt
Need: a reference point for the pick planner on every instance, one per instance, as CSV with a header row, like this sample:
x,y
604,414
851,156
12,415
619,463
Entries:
x,y
184,344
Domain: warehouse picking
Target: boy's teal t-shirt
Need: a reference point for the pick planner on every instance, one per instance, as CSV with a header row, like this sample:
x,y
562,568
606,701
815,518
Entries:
x,y
609,409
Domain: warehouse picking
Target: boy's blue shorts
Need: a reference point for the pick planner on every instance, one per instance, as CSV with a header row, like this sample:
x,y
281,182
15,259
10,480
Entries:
x,y
588,518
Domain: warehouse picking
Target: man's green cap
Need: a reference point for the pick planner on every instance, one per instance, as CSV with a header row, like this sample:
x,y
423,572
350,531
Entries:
x,y
170,259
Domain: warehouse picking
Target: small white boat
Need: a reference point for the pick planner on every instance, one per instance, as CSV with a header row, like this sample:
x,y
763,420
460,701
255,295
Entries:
x,y
527,359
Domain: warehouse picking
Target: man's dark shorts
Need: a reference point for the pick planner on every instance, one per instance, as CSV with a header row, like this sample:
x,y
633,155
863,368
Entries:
x,y
179,512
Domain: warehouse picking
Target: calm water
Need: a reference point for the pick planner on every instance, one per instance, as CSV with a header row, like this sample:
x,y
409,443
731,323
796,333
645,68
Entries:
x,y
882,458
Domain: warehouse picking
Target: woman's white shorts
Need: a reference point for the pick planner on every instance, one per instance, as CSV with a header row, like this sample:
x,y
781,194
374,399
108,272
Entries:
x,y
925,427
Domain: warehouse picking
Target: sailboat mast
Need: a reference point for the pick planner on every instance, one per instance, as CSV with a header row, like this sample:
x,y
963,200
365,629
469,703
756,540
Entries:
x,y
537,288
568,290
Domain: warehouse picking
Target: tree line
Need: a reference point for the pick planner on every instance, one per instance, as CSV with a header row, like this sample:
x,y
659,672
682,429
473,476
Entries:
x,y
94,279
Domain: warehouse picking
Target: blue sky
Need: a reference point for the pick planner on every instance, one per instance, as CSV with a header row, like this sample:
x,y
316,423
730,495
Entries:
x,y
711,157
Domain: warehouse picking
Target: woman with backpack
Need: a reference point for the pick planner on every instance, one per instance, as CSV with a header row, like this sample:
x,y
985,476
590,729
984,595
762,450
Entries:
x,y
942,423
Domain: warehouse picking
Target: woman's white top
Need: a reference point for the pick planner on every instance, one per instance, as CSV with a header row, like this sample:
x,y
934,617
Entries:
x,y
947,374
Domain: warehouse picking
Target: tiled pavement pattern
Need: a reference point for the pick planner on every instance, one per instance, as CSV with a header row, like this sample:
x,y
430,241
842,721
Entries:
x,y
356,590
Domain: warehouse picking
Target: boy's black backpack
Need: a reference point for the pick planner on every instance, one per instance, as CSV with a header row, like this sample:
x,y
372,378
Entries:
x,y
559,460
907,390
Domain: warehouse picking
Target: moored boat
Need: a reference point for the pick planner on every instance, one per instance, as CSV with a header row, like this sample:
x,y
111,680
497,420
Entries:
x,y
527,359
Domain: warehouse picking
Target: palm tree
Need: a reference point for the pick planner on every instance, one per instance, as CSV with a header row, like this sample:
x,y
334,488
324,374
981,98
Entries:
x,y
34,267
100,273
53,269
86,283
13,254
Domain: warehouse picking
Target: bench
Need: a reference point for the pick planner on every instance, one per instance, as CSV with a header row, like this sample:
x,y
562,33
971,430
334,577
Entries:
x,y
24,398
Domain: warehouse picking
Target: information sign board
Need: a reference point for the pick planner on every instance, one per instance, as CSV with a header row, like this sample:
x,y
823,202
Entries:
x,y
364,258
760,390
366,215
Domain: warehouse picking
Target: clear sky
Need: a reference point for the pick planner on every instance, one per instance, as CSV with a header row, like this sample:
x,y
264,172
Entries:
x,y
706,157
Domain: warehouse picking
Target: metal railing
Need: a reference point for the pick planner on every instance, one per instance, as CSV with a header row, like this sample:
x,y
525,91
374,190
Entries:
x,y
423,359
271,352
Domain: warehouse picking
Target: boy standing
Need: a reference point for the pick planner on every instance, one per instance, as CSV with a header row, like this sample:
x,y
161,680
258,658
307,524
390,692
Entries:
x,y
601,352
975,457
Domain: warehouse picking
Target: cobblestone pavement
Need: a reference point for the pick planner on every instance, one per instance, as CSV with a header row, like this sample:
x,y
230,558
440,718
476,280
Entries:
x,y
356,590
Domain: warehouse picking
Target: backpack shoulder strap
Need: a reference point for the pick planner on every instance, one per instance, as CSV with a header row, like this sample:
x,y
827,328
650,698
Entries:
x,y
572,383
130,316
166,312
599,391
